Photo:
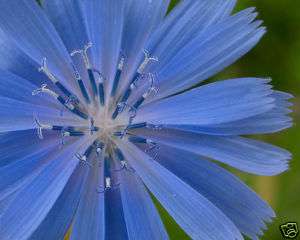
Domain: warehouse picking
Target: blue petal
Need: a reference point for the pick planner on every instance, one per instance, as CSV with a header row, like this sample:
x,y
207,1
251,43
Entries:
x,y
33,203
20,89
89,221
105,21
69,21
272,121
242,153
141,19
59,219
23,170
198,217
247,211
215,103
14,60
114,220
210,52
36,37
19,115
13,145
186,21
68,18
139,209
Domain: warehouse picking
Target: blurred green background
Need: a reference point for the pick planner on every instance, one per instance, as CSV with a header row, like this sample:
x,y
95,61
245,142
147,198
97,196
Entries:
x,y
276,56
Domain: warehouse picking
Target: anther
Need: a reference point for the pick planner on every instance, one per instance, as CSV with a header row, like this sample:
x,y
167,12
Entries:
x,y
107,177
147,60
99,147
137,76
137,139
137,126
44,89
152,89
70,133
82,87
118,75
40,127
84,54
100,82
82,159
44,69
93,128
152,145
124,164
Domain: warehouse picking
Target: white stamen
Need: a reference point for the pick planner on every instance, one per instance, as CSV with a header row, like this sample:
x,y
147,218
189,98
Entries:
x,y
121,63
41,127
44,69
100,78
107,183
66,134
83,53
146,61
44,89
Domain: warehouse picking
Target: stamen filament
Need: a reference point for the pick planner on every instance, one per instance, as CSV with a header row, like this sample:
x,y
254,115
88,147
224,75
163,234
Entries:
x,y
84,55
44,69
100,81
82,87
136,78
117,76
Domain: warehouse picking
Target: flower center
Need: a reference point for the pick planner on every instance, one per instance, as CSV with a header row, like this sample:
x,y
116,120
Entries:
x,y
101,119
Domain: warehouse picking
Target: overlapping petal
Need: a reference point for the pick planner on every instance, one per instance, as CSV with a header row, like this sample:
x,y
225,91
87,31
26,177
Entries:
x,y
29,29
89,221
66,205
275,120
32,204
180,200
223,189
242,153
215,103
209,52
139,210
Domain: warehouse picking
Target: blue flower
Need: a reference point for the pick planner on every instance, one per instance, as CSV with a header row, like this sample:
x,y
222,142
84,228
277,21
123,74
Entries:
x,y
96,112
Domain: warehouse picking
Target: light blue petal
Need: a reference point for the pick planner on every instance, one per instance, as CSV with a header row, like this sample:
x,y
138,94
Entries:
x,y
215,103
275,120
14,60
69,21
114,219
33,203
68,18
242,153
36,37
59,219
23,170
186,21
247,210
210,52
105,21
89,221
17,115
20,89
139,209
20,144
141,19
198,217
